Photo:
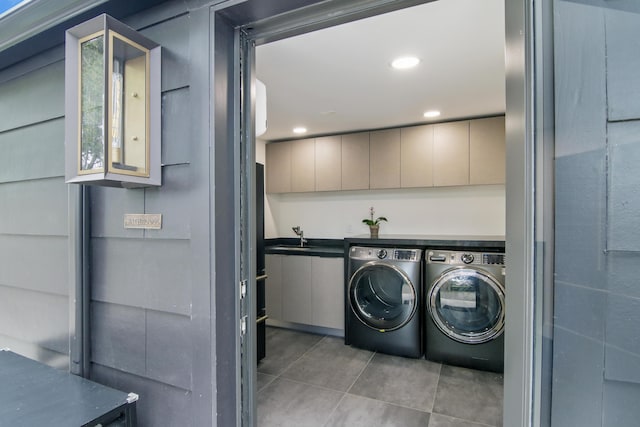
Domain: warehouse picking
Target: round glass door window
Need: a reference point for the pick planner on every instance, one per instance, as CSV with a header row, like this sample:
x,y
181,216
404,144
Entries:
x,y
382,296
467,305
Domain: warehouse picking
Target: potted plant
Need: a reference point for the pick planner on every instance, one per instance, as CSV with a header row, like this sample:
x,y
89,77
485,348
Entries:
x,y
374,224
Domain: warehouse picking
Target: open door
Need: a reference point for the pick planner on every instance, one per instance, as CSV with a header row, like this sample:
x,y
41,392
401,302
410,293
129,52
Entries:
x,y
247,309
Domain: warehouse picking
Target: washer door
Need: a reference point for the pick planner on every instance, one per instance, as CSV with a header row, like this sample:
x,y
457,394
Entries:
x,y
467,305
382,296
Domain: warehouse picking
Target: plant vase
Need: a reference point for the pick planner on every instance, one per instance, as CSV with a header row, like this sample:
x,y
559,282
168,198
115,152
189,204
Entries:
x,y
374,229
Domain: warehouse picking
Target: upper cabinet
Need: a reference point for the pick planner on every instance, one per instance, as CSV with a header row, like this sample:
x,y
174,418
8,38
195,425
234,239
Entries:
x,y
328,163
303,167
416,156
384,159
467,152
278,167
355,161
451,154
487,158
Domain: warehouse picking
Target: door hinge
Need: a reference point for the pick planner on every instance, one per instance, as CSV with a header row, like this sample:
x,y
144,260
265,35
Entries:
x,y
243,325
243,289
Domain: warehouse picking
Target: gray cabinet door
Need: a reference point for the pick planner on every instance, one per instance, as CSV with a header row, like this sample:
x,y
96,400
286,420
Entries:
x,y
416,156
329,163
327,292
303,165
296,289
355,161
487,157
273,286
384,158
451,154
278,167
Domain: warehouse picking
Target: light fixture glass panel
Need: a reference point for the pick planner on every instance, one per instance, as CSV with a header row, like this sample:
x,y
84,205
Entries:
x,y
92,104
128,118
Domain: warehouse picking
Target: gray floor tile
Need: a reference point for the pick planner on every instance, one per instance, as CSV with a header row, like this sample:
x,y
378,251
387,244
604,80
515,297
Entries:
x,y
283,348
438,420
290,403
470,395
264,380
406,382
356,411
330,364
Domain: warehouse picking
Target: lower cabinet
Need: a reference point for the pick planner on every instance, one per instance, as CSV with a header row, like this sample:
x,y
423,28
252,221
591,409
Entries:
x,y
305,289
273,286
296,289
327,292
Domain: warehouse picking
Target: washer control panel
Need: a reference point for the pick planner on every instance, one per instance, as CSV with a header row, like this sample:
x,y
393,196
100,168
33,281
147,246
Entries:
x,y
465,258
388,254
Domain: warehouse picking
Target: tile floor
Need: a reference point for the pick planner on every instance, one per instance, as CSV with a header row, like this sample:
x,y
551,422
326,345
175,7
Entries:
x,y
314,380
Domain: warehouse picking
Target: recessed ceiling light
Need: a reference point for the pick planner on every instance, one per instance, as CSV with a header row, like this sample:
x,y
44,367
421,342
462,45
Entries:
x,y
431,114
299,130
405,62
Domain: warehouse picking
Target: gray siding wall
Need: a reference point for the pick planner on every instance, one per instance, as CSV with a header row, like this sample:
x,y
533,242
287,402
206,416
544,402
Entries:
x,y
34,288
152,289
153,293
596,362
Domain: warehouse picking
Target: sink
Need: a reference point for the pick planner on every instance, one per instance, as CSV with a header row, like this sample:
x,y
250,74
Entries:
x,y
306,249
295,248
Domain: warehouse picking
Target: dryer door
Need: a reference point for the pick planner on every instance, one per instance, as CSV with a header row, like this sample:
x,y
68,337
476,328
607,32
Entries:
x,y
382,296
467,305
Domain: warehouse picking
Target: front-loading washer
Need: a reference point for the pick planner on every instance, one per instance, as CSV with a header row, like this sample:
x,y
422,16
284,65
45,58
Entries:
x,y
383,300
465,308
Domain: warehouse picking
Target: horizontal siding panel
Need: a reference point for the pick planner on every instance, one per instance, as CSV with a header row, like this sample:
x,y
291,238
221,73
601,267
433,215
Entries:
x,y
623,201
173,201
154,274
33,152
118,337
623,60
34,351
108,207
143,342
33,98
173,35
35,263
35,317
176,129
159,404
169,349
34,207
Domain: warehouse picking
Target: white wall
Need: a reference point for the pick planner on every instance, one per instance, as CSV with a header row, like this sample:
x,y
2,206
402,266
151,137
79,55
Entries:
x,y
468,210
471,210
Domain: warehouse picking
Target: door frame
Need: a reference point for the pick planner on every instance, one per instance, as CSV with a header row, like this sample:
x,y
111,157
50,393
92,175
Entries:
x,y
524,31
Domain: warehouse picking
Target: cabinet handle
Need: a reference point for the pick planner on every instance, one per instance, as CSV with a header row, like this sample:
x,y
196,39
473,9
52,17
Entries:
x,y
261,319
263,277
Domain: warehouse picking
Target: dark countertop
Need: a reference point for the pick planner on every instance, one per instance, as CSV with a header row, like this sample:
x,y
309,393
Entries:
x,y
328,248
430,241
336,248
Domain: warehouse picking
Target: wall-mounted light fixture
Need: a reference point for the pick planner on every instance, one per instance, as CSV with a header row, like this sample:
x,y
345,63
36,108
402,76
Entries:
x,y
112,106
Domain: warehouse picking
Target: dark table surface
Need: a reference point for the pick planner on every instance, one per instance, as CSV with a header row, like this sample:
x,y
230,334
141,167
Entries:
x,y
34,394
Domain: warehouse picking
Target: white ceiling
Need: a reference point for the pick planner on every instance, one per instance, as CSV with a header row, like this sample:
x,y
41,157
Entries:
x,y
339,79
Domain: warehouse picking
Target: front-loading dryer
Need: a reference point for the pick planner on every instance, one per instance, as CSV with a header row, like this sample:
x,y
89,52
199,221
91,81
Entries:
x,y
465,308
383,311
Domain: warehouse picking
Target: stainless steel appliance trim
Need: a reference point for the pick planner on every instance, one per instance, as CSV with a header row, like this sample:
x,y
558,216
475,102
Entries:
x,y
358,311
476,338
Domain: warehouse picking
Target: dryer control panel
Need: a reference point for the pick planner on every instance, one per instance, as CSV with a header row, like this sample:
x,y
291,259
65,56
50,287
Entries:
x,y
387,254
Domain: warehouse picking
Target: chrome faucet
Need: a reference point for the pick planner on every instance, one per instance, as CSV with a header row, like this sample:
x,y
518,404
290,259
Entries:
x,y
300,233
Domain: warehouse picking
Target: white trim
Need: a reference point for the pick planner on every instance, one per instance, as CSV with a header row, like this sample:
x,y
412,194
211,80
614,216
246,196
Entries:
x,y
32,17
